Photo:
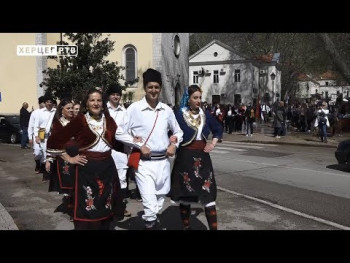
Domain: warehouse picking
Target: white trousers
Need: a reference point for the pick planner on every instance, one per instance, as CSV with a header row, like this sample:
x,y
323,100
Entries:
x,y
40,150
153,181
121,161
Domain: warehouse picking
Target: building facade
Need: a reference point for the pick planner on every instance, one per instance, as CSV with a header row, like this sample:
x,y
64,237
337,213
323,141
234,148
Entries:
x,y
20,76
228,77
324,86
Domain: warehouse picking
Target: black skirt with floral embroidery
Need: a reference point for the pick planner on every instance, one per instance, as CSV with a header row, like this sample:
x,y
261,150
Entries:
x,y
193,177
97,191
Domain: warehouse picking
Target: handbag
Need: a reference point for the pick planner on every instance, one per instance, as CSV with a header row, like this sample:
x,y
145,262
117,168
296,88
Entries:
x,y
41,134
134,159
42,131
135,155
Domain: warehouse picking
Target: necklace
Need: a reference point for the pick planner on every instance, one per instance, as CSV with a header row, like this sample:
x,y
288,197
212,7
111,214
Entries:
x,y
95,125
96,117
196,111
196,122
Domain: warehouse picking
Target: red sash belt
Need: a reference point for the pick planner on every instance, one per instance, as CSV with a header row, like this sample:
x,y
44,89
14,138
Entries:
x,y
97,156
196,145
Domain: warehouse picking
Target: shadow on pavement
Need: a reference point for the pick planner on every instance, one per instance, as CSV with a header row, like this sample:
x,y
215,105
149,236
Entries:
x,y
169,220
340,167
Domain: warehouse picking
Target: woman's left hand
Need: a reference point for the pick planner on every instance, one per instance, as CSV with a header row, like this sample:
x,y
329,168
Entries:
x,y
209,147
173,139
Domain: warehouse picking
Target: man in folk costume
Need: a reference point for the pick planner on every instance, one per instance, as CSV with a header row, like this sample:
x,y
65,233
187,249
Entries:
x,y
120,157
97,195
36,147
151,120
43,124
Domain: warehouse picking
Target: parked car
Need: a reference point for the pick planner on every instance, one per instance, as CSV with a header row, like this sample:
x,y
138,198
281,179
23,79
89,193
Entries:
x,y
343,152
10,129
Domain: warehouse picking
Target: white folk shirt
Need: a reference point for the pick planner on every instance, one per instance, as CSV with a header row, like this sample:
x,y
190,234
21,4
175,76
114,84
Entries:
x,y
120,117
44,120
33,117
141,120
118,114
97,126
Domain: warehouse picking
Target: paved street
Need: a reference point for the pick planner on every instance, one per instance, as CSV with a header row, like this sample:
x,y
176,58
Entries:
x,y
28,203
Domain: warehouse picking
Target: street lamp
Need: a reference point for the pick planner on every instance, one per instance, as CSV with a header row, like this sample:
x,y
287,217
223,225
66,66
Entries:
x,y
273,76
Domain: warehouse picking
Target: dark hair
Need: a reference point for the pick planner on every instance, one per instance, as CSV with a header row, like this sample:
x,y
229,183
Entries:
x,y
41,99
75,102
192,89
63,102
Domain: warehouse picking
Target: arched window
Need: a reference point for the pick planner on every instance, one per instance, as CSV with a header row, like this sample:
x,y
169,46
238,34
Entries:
x,y
130,63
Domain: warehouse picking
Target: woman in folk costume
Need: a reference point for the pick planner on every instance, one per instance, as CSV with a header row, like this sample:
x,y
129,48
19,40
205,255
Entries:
x,y
193,176
97,190
61,172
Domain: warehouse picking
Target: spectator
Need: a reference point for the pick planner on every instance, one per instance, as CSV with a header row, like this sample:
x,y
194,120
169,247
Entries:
x,y
24,117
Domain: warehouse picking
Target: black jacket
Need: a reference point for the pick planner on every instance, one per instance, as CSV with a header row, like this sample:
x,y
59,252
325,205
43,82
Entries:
x,y
24,117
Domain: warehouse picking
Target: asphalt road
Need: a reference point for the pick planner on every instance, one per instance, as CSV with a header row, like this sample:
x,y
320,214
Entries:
x,y
305,179
245,200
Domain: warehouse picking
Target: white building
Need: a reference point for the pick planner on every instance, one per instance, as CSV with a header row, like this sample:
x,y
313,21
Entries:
x,y
228,77
326,86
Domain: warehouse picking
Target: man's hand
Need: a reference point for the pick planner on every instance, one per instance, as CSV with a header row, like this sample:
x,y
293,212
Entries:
x,y
170,151
137,139
37,139
145,151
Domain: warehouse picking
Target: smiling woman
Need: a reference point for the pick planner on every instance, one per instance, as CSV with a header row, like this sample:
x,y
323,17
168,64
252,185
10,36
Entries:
x,y
97,195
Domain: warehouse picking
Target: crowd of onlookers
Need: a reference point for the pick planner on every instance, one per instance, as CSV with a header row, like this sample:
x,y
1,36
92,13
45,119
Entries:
x,y
300,116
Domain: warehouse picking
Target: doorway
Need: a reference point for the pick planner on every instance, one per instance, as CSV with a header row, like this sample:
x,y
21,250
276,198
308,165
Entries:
x,y
215,99
237,99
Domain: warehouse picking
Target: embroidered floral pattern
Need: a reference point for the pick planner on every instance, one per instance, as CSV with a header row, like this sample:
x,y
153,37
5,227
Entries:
x,y
90,200
187,181
207,183
108,204
196,166
65,168
101,186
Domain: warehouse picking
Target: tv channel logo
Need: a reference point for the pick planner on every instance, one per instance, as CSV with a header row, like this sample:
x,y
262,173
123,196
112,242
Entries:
x,y
47,50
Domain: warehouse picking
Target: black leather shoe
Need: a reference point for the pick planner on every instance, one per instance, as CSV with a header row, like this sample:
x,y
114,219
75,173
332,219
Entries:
x,y
151,225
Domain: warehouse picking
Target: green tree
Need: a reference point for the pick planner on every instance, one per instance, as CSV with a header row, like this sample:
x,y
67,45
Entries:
x,y
76,74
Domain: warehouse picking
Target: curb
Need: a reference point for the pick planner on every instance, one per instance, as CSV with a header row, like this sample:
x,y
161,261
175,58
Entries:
x,y
6,221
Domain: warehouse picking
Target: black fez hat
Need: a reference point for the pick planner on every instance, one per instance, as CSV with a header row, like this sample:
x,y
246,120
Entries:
x,y
151,75
114,88
48,97
41,99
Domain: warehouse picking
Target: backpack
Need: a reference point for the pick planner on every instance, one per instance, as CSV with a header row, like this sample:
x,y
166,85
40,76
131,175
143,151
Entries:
x,y
322,120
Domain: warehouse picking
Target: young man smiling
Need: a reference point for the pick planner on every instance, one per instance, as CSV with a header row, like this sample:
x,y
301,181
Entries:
x,y
151,120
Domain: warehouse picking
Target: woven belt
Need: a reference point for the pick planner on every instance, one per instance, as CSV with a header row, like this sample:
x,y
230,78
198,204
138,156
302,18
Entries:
x,y
154,157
